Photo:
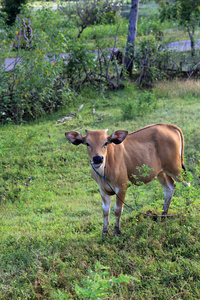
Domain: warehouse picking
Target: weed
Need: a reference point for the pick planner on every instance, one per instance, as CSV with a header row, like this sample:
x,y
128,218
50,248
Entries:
x,y
100,285
138,105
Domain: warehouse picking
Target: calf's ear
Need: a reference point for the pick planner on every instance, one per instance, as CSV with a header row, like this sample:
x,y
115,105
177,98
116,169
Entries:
x,y
74,137
117,136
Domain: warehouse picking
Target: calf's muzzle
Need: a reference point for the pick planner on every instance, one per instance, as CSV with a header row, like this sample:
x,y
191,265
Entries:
x,y
97,161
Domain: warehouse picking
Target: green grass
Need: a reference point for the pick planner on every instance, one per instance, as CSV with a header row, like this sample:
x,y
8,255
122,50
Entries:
x,y
51,216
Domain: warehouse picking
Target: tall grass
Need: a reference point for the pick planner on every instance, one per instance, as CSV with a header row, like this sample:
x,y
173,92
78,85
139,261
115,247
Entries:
x,y
183,89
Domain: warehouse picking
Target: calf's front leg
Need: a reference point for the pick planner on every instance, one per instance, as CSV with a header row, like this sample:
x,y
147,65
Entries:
x,y
106,211
118,210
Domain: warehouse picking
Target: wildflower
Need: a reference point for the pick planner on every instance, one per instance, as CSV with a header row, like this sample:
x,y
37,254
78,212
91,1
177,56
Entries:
x,y
40,51
53,64
25,95
16,80
16,32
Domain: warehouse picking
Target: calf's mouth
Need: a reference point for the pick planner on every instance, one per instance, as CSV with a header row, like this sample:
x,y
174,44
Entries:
x,y
97,161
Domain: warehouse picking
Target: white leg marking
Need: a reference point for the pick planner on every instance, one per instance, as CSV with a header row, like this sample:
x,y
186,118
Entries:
x,y
180,150
106,210
169,190
118,209
118,212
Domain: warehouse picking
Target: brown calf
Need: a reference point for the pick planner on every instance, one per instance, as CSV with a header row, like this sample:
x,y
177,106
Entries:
x,y
121,155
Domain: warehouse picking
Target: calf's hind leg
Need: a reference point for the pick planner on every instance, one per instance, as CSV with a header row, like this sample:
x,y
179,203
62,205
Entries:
x,y
169,186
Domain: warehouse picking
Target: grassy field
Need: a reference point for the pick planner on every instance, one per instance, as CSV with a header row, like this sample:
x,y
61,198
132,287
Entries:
x,y
51,217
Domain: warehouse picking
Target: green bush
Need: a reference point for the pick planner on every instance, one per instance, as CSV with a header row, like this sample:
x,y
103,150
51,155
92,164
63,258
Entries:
x,y
82,61
34,88
151,25
138,105
41,83
109,15
151,60
37,85
12,9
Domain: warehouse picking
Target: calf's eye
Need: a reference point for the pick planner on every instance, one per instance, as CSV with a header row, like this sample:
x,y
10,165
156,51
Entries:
x,y
105,145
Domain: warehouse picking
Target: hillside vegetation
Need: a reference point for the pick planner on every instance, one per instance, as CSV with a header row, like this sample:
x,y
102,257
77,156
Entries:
x,y
51,217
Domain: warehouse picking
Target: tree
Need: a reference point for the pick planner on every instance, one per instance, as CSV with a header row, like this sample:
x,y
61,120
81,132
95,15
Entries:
x,y
86,13
12,9
186,12
132,30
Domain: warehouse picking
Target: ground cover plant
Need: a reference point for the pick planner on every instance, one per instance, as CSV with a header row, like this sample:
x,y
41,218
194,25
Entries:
x,y
51,216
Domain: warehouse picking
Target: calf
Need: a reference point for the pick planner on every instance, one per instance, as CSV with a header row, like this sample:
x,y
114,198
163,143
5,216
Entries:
x,y
120,156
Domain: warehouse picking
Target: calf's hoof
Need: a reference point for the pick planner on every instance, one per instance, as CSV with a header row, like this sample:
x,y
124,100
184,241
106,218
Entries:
x,y
105,234
117,231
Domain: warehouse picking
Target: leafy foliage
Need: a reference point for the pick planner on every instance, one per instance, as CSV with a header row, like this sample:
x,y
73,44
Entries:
x,y
87,13
138,105
12,9
151,60
50,77
99,285
186,12
36,86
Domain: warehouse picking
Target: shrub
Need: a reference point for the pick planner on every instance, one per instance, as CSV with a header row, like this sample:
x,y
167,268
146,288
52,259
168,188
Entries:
x,y
82,61
138,105
151,25
37,85
34,87
94,65
12,9
42,81
151,59
87,13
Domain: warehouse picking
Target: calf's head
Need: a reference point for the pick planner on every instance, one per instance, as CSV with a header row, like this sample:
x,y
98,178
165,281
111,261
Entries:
x,y
96,142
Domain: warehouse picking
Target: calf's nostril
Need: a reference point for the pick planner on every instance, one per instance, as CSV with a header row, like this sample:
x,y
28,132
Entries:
x,y
98,159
